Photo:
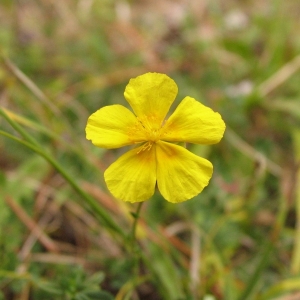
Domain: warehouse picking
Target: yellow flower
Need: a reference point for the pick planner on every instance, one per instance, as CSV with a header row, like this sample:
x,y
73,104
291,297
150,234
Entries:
x,y
179,174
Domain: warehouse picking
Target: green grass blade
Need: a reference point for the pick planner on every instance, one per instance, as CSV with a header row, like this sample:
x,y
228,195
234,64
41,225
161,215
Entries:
x,y
93,205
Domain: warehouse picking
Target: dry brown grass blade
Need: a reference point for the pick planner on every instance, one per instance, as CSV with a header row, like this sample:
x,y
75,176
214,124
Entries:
x,y
103,198
175,241
252,153
295,296
278,78
31,225
55,258
31,85
32,238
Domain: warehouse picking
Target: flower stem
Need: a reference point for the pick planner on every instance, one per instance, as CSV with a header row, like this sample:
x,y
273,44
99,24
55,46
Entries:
x,y
134,246
136,216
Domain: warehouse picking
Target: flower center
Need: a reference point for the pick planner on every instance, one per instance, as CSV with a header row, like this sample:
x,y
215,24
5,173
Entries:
x,y
151,126
147,130
153,135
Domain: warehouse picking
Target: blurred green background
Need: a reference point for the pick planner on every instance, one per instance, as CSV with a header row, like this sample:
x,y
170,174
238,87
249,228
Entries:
x,y
63,236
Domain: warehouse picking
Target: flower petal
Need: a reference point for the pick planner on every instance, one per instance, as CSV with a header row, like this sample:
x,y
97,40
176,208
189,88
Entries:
x,y
150,95
133,176
113,126
193,122
181,174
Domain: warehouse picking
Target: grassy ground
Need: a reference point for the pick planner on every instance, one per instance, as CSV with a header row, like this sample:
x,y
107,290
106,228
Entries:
x,y
63,236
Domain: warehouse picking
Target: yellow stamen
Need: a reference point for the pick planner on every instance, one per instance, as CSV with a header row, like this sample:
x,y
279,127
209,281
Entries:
x,y
147,146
